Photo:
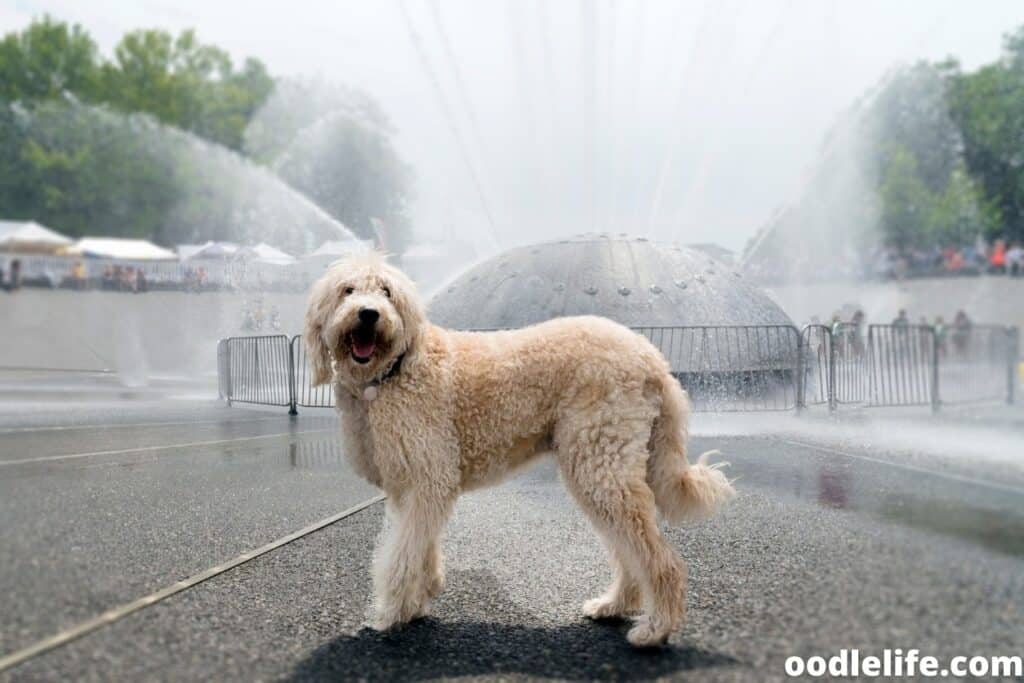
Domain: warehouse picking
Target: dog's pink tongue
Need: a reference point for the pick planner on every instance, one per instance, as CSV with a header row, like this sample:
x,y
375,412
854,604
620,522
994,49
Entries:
x,y
364,349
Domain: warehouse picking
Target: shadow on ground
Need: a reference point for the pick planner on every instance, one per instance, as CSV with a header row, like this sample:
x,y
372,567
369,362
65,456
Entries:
x,y
429,649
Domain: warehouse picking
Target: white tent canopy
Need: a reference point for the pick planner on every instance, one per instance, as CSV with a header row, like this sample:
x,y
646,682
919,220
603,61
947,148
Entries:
x,y
29,236
117,248
339,248
209,250
264,253
329,252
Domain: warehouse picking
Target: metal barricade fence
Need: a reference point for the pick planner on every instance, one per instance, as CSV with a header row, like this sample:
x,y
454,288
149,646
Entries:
x,y
733,368
901,366
306,395
729,368
1013,354
260,370
223,375
973,362
817,369
849,360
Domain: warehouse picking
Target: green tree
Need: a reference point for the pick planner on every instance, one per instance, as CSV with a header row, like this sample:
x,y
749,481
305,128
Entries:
x,y
961,211
910,114
141,144
46,60
921,160
988,106
334,145
297,104
16,194
906,200
186,84
88,170
85,172
179,80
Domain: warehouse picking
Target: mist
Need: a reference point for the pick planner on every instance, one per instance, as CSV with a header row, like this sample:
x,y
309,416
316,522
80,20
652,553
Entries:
x,y
523,120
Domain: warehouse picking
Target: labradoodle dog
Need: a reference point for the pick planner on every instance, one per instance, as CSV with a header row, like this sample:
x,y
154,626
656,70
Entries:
x,y
428,413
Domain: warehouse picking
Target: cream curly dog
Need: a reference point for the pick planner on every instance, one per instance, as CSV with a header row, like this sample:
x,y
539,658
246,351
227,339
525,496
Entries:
x,y
428,413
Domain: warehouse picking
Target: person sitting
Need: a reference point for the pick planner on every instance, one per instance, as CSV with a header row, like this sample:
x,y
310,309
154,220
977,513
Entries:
x,y
78,276
997,259
109,279
1015,260
956,262
14,281
961,332
857,332
128,279
940,334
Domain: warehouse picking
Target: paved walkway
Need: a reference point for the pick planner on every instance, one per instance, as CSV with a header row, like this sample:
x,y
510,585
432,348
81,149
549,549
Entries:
x,y
824,549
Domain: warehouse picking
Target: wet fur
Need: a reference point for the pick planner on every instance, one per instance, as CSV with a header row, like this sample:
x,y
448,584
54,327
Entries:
x,y
469,408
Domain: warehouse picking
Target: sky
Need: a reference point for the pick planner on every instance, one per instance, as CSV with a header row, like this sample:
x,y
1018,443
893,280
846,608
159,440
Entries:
x,y
690,121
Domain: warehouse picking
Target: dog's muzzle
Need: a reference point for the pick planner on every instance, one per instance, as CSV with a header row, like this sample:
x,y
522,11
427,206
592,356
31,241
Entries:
x,y
363,340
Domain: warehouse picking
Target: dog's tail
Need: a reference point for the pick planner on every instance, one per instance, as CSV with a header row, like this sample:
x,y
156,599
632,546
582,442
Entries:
x,y
682,490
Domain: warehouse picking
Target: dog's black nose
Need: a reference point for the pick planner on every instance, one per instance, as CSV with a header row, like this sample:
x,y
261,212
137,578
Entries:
x,y
368,315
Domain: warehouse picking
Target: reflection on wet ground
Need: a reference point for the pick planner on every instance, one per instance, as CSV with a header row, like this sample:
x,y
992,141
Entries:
x,y
974,512
169,490
137,507
995,530
315,455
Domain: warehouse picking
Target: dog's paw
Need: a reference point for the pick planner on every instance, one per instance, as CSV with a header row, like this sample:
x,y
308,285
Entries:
x,y
647,633
395,613
435,584
604,608
383,622
390,622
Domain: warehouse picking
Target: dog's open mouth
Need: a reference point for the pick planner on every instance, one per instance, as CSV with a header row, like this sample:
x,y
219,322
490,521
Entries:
x,y
363,342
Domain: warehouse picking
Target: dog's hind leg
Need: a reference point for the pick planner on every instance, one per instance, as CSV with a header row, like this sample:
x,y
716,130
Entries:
x,y
604,466
434,568
408,563
624,596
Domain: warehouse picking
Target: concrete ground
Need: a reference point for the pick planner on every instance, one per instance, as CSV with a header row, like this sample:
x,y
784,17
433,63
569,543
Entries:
x,y
106,498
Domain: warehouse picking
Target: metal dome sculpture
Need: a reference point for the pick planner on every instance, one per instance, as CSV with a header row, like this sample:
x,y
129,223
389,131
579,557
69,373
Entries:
x,y
631,280
706,318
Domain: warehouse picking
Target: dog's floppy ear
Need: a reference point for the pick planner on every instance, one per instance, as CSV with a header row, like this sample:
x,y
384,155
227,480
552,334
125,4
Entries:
x,y
316,317
406,301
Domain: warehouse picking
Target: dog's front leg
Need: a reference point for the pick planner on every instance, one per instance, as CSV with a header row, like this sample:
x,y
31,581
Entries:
x,y
406,571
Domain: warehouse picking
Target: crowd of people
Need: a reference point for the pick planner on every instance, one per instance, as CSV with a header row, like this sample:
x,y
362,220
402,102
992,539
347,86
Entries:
x,y
849,336
84,274
255,317
890,262
997,258
137,277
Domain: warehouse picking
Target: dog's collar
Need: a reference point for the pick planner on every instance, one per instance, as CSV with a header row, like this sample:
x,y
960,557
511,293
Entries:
x,y
372,389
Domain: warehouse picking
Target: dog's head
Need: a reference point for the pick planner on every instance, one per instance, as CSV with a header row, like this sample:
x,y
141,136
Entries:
x,y
363,314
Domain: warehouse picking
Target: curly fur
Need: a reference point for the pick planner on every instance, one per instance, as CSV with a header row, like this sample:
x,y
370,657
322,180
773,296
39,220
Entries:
x,y
469,408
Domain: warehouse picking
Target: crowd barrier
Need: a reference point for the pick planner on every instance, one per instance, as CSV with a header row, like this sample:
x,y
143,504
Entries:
x,y
730,368
211,274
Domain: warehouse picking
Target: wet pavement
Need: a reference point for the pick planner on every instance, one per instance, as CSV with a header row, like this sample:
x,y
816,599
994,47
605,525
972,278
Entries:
x,y
97,514
825,548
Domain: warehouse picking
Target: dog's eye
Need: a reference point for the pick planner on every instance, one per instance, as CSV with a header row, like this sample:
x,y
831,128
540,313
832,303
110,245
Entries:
x,y
349,290
387,292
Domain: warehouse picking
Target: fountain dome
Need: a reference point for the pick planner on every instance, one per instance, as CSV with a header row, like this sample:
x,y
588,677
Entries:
x,y
631,280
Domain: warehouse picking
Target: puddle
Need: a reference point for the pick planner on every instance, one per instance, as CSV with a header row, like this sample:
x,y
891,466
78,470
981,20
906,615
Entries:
x,y
315,455
972,513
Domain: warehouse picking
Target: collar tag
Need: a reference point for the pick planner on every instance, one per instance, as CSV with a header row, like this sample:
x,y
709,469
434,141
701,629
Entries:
x,y
372,390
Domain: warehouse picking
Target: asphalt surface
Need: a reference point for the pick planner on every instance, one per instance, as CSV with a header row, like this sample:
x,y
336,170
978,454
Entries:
x,y
825,548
